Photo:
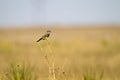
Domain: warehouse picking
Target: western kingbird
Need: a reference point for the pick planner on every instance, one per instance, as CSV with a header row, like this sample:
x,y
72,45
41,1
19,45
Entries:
x,y
45,36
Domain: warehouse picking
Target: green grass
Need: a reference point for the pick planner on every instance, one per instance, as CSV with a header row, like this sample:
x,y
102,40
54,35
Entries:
x,y
92,74
20,72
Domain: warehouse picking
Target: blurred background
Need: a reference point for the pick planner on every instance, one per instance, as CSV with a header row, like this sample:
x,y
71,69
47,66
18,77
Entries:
x,y
45,12
85,36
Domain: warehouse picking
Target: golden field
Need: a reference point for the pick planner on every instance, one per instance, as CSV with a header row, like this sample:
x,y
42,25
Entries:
x,y
74,51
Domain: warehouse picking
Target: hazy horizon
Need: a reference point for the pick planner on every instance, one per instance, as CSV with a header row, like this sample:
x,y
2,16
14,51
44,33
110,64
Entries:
x,y
65,12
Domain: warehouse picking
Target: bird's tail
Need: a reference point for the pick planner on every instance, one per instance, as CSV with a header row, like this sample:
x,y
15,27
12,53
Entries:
x,y
39,40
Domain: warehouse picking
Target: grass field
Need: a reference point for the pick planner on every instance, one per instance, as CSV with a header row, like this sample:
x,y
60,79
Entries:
x,y
68,54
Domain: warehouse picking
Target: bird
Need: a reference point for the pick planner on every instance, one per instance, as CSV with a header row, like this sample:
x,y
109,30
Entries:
x,y
45,36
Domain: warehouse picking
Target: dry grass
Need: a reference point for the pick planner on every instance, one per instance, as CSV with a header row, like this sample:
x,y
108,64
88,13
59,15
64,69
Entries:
x,y
67,54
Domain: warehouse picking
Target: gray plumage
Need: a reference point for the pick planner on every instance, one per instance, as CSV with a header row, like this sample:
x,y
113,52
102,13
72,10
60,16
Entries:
x,y
45,36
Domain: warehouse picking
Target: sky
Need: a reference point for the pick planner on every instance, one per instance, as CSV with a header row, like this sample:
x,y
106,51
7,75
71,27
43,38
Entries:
x,y
30,12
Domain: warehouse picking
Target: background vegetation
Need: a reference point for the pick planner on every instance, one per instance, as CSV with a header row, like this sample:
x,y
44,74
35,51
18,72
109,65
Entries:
x,y
73,53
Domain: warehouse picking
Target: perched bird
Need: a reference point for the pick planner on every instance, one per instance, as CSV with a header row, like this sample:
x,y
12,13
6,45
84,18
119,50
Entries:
x,y
45,36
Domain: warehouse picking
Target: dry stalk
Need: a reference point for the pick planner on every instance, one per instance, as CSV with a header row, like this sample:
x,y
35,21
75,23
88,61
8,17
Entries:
x,y
50,61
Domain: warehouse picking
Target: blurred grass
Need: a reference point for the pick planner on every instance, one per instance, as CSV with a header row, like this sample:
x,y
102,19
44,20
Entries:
x,y
79,47
6,47
23,71
91,74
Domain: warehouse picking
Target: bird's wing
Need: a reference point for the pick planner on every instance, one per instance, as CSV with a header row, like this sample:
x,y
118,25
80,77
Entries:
x,y
44,37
